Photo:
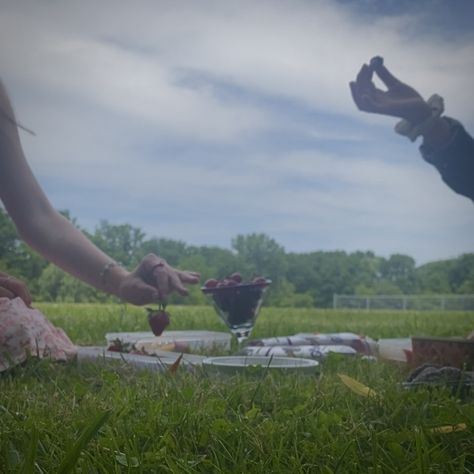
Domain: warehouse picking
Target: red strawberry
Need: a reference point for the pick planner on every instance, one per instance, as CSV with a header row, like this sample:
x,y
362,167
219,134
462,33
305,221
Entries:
x,y
158,320
211,283
237,277
116,346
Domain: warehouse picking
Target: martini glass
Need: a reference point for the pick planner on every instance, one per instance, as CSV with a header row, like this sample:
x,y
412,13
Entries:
x,y
238,306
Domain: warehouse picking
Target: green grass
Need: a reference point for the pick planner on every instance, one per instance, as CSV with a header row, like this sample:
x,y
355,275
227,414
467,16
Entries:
x,y
114,419
88,323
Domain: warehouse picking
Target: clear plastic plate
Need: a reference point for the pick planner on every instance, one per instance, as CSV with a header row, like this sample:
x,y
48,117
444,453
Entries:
x,y
259,364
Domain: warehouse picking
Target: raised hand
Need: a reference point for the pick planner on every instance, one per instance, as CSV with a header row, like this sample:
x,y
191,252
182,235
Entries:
x,y
399,100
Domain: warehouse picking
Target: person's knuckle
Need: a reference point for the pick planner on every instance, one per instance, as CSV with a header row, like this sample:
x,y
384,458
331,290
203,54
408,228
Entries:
x,y
148,257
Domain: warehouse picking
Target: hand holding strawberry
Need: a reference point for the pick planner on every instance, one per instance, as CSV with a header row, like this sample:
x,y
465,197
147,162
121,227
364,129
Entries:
x,y
154,280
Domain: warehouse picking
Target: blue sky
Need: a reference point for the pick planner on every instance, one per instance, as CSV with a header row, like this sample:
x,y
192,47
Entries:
x,y
201,120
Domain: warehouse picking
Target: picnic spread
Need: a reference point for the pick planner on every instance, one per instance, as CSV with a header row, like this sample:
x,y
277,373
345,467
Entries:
x,y
26,332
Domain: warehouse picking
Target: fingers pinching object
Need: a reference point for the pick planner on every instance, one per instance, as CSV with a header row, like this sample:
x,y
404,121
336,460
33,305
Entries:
x,y
376,62
158,265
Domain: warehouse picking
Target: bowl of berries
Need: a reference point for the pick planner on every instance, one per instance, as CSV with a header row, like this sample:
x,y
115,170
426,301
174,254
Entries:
x,y
237,302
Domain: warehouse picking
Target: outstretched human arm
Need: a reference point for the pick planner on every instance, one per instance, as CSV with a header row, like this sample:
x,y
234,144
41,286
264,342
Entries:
x,y
446,144
58,240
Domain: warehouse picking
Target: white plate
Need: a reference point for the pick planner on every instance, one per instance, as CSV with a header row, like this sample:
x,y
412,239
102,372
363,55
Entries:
x,y
159,363
183,340
259,364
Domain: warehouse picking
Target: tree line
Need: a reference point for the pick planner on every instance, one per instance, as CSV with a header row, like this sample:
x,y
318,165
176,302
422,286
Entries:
x,y
298,279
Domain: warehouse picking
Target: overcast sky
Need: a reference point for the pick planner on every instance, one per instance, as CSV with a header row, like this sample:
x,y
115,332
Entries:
x,y
202,120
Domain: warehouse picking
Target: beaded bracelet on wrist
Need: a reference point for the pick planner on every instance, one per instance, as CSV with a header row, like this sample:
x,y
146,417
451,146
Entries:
x,y
106,269
404,127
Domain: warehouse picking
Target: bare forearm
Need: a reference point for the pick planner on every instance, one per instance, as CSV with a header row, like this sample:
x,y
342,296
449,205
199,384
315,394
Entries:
x,y
68,248
58,240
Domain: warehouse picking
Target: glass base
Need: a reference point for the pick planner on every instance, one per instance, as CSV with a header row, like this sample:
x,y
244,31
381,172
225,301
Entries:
x,y
241,334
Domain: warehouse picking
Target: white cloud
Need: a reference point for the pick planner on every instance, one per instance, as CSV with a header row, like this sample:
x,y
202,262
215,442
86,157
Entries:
x,y
101,84
307,51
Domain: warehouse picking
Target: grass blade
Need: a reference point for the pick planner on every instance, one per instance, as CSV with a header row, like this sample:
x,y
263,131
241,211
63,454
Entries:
x,y
357,387
29,464
75,450
449,428
174,367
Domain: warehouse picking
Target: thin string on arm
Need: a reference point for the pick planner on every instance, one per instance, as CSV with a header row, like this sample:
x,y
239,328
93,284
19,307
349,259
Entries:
x,y
18,124
105,270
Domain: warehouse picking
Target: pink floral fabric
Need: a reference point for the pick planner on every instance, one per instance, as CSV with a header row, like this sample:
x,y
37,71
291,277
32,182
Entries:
x,y
25,331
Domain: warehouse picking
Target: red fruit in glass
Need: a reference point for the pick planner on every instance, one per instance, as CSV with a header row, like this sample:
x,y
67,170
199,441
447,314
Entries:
x,y
211,283
237,277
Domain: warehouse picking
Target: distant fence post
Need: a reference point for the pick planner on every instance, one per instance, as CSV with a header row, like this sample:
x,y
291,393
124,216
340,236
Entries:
x,y
334,301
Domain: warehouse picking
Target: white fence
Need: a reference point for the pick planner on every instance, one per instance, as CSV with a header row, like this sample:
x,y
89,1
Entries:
x,y
405,302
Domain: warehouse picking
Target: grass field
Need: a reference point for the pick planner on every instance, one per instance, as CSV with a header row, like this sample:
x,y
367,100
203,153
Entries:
x,y
91,418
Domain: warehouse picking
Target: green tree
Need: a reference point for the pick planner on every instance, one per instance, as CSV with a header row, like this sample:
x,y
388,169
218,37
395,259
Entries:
x,y
56,285
399,270
171,250
261,255
364,269
17,258
8,236
461,273
299,279
321,274
216,262
195,297
122,242
433,277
